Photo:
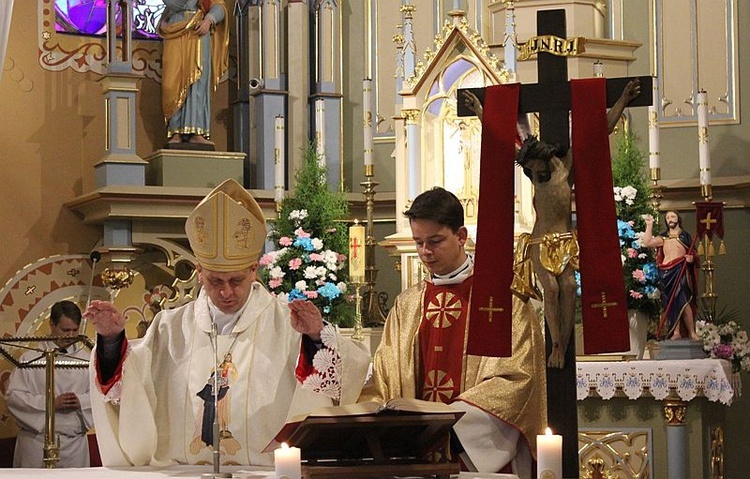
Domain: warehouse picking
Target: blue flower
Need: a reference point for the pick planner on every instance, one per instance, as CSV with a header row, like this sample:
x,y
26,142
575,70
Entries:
x,y
304,243
651,271
296,294
330,291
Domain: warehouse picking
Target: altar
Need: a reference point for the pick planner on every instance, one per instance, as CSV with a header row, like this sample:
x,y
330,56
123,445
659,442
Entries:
x,y
653,419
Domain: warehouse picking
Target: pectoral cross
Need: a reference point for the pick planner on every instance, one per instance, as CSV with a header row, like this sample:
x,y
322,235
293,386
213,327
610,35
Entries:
x,y
490,310
604,304
708,221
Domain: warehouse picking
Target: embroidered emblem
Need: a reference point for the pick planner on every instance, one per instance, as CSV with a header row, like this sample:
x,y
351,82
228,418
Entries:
x,y
444,310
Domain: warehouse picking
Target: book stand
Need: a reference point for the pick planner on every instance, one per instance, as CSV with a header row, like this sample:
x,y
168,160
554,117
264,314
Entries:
x,y
375,446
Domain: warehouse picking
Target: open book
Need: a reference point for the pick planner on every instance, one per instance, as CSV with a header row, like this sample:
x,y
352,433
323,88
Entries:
x,y
401,426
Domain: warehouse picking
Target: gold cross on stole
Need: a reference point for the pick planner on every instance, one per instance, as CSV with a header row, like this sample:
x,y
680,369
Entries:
x,y
490,310
604,304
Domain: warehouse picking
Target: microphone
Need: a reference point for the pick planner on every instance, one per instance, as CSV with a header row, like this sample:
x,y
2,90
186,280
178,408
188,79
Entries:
x,y
95,257
215,390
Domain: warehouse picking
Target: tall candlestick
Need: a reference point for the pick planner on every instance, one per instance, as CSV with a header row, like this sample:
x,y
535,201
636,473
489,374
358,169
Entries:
x,y
704,154
320,129
357,253
367,109
549,455
278,160
287,463
653,137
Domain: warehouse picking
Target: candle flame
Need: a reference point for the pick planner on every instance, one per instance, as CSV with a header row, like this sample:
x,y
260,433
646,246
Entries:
x,y
286,446
548,432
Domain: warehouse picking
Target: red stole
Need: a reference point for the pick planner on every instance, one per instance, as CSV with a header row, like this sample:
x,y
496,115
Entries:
x,y
603,290
603,300
441,341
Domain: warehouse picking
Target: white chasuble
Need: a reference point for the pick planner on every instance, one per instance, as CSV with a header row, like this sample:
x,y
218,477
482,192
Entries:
x,y
163,416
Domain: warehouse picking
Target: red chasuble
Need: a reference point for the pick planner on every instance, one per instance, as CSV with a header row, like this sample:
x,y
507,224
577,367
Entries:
x,y
441,341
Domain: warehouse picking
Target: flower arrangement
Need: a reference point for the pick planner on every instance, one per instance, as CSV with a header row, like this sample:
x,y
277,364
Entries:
x,y
303,268
632,203
725,340
308,261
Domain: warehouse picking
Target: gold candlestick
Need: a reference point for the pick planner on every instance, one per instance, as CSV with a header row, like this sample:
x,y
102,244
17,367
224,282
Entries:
x,y
374,313
358,335
709,297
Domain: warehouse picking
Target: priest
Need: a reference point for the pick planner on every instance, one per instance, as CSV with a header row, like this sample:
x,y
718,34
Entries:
x,y
152,398
423,351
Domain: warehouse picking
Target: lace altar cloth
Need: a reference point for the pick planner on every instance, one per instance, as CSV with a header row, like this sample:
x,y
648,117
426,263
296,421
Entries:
x,y
684,379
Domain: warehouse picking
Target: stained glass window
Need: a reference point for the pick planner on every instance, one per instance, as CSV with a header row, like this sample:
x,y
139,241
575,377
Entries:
x,y
89,17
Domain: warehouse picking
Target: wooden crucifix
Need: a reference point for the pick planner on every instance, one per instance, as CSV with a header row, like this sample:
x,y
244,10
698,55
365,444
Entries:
x,y
551,98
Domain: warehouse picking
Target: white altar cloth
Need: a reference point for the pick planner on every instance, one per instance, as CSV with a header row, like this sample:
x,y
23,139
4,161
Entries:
x,y
710,378
190,472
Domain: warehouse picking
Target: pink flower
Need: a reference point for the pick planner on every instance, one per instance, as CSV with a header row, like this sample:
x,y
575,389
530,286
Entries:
x,y
316,257
285,241
266,259
301,233
635,294
639,275
311,294
274,283
341,257
632,253
295,263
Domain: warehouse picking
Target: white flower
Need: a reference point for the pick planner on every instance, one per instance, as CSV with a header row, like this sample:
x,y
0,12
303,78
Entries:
x,y
317,243
301,285
342,287
298,215
276,272
311,272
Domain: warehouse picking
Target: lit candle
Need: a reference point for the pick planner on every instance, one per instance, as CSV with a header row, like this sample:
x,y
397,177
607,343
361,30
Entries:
x,y
357,253
320,129
598,69
287,462
367,108
549,455
653,137
704,155
278,160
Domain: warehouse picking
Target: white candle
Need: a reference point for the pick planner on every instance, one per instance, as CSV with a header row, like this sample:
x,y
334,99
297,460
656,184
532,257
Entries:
x,y
653,137
549,455
287,462
357,253
598,69
320,129
279,156
367,109
704,154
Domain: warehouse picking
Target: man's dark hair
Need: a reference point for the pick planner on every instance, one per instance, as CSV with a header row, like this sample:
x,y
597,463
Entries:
x,y
65,308
439,205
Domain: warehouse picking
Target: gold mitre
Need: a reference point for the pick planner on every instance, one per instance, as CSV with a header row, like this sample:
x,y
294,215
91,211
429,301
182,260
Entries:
x,y
227,229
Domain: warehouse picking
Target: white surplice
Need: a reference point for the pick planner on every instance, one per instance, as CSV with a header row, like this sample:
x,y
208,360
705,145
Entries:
x,y
26,400
159,416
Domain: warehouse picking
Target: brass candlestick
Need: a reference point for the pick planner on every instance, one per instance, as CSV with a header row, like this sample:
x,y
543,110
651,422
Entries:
x,y
374,314
358,335
709,297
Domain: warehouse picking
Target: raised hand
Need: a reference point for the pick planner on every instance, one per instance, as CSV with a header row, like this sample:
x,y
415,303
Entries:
x,y
472,103
107,320
306,319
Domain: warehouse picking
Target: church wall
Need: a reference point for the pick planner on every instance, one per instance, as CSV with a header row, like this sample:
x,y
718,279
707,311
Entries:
x,y
729,145
52,135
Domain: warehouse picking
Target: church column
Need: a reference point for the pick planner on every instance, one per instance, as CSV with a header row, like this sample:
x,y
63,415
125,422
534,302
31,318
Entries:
x,y
675,412
298,81
269,91
328,86
413,154
120,165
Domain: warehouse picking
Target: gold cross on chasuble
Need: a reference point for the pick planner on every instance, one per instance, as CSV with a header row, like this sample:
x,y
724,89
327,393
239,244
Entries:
x,y
603,305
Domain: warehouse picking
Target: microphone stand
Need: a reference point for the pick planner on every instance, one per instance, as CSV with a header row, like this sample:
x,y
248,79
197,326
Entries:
x,y
215,389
